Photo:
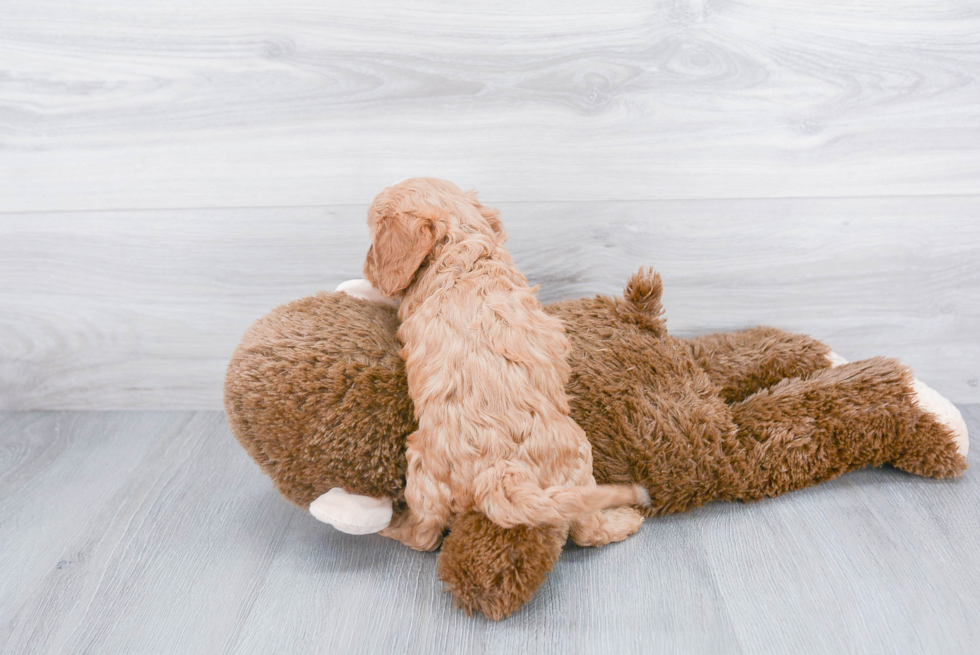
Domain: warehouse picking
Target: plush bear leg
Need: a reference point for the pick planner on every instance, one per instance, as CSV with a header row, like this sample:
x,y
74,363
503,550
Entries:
x,y
932,402
495,570
807,430
741,363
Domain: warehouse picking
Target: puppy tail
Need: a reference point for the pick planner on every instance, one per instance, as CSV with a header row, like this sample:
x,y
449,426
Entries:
x,y
511,503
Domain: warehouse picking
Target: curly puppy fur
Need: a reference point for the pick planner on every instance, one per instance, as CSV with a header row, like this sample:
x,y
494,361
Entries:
x,y
486,370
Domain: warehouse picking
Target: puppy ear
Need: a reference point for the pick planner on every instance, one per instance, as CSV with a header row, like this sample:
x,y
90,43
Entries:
x,y
401,242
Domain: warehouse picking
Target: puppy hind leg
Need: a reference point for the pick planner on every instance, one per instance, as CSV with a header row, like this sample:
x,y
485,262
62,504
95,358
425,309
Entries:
x,y
419,530
510,496
429,509
415,531
606,526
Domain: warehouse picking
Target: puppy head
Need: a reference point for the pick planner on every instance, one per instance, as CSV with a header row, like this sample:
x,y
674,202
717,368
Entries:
x,y
409,219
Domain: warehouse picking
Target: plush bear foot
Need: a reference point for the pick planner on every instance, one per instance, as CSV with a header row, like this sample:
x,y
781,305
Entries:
x,y
351,513
929,400
495,570
607,526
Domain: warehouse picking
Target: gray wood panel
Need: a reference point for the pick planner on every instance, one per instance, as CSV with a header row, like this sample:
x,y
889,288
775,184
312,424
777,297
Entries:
x,y
142,309
182,546
164,563
219,103
53,480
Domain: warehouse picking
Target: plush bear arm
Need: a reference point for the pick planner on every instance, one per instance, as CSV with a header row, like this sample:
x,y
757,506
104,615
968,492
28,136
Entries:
x,y
742,363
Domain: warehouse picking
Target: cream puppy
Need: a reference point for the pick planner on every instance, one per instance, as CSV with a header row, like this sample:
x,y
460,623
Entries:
x,y
487,371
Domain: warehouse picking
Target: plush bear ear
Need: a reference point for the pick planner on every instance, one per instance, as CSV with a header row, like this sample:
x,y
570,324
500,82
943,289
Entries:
x,y
642,296
402,241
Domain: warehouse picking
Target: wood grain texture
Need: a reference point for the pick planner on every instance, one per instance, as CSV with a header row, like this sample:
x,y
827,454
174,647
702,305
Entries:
x,y
140,309
53,480
219,103
153,532
162,564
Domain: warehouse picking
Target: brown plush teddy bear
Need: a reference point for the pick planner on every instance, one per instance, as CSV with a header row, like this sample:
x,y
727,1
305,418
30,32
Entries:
x,y
317,395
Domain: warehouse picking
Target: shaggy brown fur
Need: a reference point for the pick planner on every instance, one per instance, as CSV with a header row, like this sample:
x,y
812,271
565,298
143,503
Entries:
x,y
487,370
667,422
495,571
317,394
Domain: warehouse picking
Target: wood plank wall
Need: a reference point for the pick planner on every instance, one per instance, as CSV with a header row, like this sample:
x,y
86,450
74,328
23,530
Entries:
x,y
171,171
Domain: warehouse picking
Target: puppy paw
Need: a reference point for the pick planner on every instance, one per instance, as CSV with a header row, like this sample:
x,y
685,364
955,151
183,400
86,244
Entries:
x,y
362,289
835,359
607,526
414,536
929,400
351,513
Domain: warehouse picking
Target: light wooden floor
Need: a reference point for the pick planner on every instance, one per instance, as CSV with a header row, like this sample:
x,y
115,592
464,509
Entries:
x,y
152,532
